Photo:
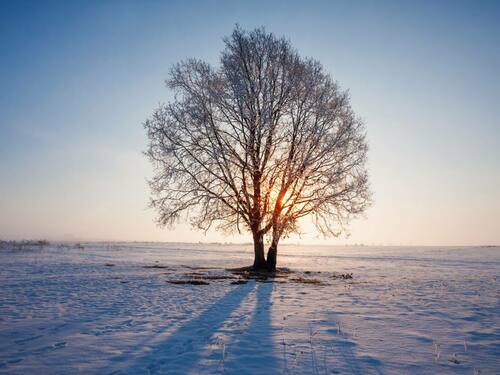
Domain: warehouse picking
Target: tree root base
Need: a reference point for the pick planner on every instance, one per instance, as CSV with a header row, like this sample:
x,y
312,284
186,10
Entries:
x,y
250,272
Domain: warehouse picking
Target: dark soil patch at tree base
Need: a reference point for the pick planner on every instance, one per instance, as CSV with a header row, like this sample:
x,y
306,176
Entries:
x,y
239,282
200,268
208,276
215,277
302,280
205,279
188,282
259,274
194,274
343,276
312,272
239,276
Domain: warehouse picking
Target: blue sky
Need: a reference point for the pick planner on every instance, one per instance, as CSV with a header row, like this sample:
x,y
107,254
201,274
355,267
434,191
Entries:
x,y
77,79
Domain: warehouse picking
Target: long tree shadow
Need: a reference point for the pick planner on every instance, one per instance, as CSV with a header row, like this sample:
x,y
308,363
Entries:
x,y
255,348
183,347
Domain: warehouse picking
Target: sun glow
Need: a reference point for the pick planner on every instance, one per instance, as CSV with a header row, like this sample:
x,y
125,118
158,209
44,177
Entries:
x,y
274,195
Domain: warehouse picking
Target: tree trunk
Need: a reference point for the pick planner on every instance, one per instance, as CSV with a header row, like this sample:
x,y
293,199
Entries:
x,y
259,261
272,254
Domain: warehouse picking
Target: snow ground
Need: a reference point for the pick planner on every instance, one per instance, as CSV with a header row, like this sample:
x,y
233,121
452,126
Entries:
x,y
64,310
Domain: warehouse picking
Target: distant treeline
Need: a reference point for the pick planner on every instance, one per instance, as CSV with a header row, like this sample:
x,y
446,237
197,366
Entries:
x,y
23,245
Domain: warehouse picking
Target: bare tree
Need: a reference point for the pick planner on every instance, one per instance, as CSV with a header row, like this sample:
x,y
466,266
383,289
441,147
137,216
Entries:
x,y
257,144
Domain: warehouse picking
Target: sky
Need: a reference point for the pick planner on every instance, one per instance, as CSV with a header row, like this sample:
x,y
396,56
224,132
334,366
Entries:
x,y
78,79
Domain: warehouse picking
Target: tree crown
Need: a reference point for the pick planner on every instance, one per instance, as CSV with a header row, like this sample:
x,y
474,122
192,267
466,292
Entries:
x,y
257,143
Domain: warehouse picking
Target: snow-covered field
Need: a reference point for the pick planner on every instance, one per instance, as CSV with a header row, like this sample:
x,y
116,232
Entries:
x,y
66,309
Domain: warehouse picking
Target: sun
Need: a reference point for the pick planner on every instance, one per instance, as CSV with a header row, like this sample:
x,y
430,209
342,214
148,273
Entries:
x,y
274,195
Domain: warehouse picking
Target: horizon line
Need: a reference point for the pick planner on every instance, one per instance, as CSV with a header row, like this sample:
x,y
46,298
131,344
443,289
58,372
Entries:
x,y
226,243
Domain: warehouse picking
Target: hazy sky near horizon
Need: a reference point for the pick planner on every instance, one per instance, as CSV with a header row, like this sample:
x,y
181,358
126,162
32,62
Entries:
x,y
78,78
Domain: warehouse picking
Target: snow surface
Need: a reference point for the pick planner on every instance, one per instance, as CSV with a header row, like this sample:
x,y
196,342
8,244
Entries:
x,y
64,310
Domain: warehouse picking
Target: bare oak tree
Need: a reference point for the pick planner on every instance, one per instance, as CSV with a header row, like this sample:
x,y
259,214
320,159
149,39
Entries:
x,y
256,144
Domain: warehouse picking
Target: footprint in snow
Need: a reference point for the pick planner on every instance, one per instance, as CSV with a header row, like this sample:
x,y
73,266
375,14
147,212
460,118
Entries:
x,y
23,341
51,348
13,361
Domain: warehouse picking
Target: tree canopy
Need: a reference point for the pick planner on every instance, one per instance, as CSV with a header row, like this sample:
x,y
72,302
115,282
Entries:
x,y
257,143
